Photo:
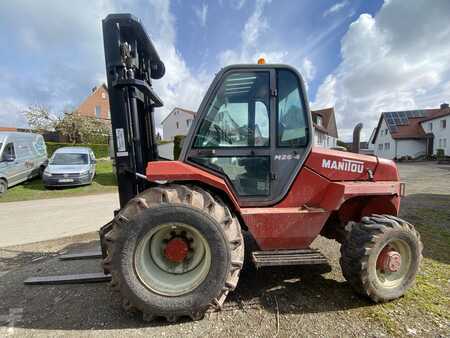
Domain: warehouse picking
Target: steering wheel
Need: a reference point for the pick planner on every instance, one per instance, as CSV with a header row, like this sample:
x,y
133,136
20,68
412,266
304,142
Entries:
x,y
222,135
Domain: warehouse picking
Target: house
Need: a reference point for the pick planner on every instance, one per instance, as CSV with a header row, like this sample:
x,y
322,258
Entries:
x,y
325,130
177,123
179,120
96,105
412,133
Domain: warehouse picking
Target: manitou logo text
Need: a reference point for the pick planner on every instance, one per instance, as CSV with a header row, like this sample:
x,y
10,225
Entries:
x,y
344,165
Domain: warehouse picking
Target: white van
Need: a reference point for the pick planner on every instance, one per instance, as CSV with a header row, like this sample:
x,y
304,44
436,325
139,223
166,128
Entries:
x,y
22,157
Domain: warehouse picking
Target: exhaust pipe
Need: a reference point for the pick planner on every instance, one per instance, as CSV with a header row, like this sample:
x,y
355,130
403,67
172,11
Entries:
x,y
356,137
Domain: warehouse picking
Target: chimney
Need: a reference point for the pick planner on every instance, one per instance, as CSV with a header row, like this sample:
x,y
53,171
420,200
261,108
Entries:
x,y
444,105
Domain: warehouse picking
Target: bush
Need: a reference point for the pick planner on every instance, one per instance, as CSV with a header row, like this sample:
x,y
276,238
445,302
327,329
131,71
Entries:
x,y
100,150
440,154
177,146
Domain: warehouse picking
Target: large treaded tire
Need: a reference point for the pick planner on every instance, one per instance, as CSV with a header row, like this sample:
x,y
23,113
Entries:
x,y
360,250
147,209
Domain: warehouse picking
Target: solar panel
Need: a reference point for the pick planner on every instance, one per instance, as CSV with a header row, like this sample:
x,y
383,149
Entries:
x,y
401,118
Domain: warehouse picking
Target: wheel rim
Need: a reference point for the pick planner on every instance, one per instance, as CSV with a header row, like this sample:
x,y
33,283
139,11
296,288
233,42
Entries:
x,y
393,263
172,259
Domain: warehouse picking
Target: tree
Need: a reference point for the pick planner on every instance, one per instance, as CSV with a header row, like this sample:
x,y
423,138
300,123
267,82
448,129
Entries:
x,y
82,129
39,118
78,128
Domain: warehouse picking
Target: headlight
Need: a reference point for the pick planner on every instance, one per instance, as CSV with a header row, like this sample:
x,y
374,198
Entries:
x,y
84,173
46,173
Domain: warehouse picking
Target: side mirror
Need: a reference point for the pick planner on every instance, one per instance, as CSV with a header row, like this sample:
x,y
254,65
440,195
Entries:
x,y
8,158
94,161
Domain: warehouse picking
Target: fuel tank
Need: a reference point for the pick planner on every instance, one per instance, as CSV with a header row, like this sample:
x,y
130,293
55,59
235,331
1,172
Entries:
x,y
345,166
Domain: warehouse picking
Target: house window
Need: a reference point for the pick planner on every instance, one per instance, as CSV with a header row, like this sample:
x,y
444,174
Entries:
x,y
387,146
380,146
98,111
178,125
103,95
188,123
430,126
319,121
385,131
444,143
443,124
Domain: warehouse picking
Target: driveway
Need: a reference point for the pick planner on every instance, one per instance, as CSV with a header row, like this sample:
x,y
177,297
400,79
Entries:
x,y
41,220
279,301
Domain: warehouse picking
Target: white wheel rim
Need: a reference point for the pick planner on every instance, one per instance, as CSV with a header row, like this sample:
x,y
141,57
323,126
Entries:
x,y
166,277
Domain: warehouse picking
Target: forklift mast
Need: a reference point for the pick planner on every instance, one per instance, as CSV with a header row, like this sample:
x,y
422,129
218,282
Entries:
x,y
131,63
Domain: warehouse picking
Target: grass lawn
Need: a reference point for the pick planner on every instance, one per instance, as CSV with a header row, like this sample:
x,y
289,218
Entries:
x,y
104,181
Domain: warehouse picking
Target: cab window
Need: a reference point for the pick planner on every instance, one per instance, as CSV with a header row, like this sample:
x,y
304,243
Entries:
x,y
292,125
238,116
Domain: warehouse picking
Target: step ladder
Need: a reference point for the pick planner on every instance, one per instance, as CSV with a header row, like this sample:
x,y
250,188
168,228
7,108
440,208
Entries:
x,y
288,257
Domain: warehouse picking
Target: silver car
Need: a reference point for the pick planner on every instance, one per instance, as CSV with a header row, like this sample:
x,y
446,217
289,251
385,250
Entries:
x,y
22,157
70,166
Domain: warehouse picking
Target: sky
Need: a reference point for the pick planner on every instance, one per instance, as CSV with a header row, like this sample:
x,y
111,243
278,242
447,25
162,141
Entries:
x,y
360,57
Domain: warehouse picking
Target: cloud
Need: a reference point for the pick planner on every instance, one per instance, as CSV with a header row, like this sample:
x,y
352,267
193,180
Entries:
x,y
237,4
335,8
10,113
252,47
308,69
255,25
390,64
201,13
58,55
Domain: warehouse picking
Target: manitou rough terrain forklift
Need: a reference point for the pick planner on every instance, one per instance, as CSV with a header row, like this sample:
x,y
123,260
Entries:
x,y
175,248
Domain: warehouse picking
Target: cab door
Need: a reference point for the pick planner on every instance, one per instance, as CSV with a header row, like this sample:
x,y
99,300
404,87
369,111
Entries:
x,y
254,131
10,165
233,139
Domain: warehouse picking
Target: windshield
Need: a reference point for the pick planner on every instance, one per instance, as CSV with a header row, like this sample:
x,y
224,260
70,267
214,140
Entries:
x,y
69,159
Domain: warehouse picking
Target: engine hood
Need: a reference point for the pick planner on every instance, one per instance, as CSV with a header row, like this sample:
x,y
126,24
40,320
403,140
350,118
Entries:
x,y
345,166
67,169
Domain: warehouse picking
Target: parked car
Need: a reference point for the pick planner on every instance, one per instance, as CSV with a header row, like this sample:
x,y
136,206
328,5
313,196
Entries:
x,y
22,157
70,166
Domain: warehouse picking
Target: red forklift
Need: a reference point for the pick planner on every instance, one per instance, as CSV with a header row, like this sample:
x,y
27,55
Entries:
x,y
175,248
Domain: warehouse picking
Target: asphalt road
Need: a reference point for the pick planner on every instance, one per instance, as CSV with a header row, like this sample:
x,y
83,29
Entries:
x,y
42,220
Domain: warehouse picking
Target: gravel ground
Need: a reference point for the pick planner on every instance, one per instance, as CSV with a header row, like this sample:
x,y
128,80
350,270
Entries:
x,y
284,302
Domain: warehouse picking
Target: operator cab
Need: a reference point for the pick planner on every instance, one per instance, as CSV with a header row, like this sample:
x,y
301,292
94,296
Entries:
x,y
253,129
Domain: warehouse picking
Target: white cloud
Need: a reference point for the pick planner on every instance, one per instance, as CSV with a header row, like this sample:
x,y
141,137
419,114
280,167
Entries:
x,y
179,86
237,4
308,69
335,8
67,49
390,64
252,47
255,25
201,13
10,113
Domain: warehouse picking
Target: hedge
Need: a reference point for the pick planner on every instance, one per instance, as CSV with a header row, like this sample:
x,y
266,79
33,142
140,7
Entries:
x,y
100,150
177,146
